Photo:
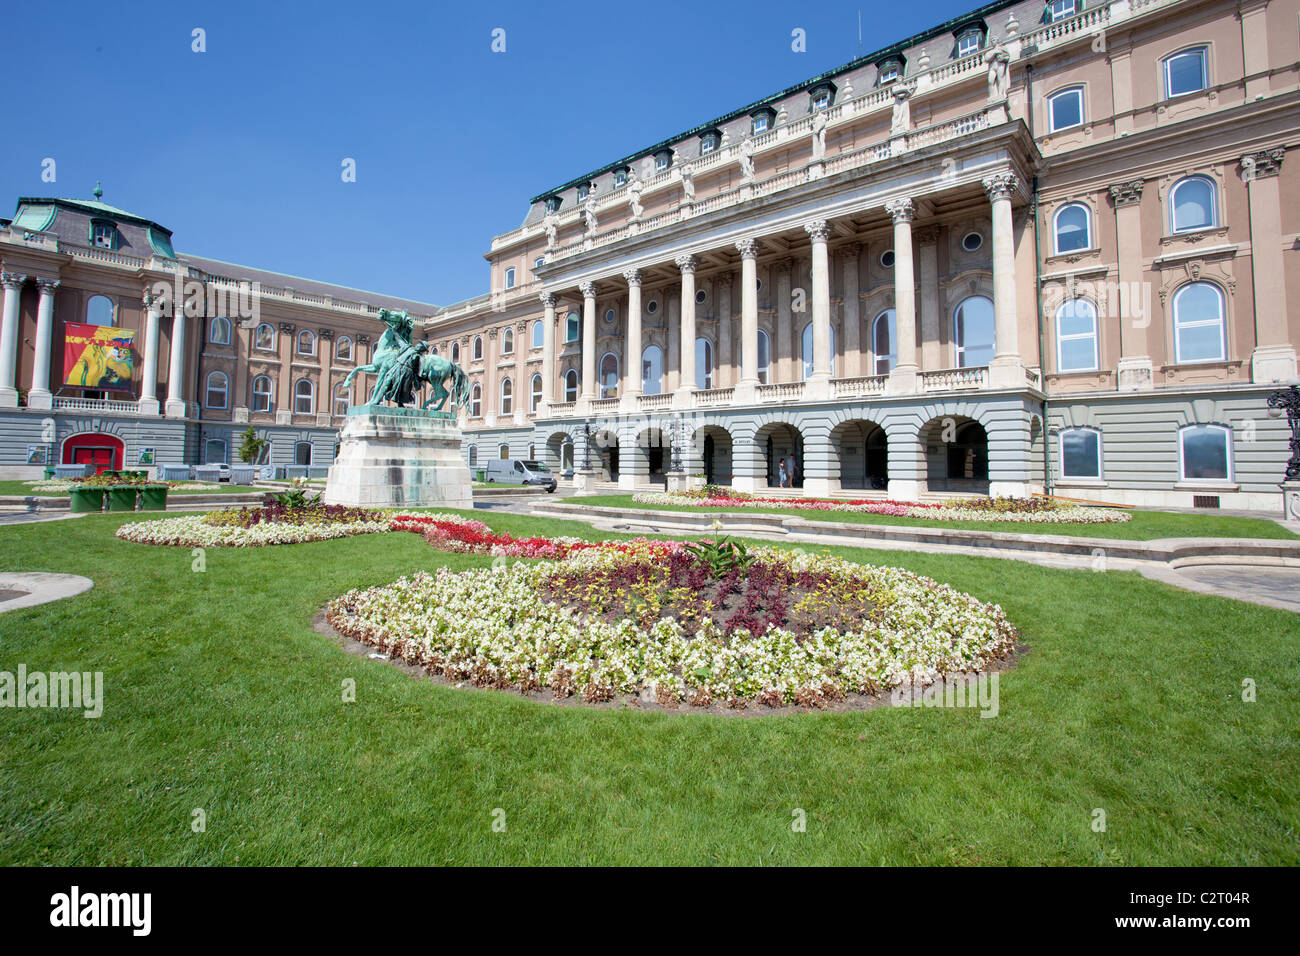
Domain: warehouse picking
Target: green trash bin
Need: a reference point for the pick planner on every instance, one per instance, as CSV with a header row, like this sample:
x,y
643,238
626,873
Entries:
x,y
49,473
153,498
122,497
86,500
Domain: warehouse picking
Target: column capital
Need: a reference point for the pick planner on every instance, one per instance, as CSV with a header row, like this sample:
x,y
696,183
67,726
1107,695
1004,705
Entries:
x,y
1261,164
588,290
363,339
329,333
47,286
686,264
748,248
633,277
819,230
548,299
900,210
1002,185
12,280
1127,194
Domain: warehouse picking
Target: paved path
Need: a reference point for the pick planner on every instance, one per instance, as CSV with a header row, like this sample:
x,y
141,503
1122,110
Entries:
x,y
1278,587
30,588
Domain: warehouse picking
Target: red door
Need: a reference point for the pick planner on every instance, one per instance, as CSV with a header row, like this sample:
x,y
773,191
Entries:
x,y
102,451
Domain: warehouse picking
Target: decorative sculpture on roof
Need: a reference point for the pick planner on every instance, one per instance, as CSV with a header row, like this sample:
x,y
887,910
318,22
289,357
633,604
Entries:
x,y
589,213
819,136
998,82
401,366
634,188
747,159
688,184
552,226
901,119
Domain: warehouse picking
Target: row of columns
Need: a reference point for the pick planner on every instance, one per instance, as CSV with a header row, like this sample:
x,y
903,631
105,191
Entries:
x,y
1005,369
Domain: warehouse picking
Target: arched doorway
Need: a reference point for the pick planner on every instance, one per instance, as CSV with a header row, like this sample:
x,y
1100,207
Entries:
x,y
103,451
781,440
957,455
604,454
559,452
712,445
863,453
655,450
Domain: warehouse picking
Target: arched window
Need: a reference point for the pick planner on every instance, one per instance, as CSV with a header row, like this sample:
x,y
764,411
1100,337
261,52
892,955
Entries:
x,y
262,393
455,352
503,451
1072,228
608,375
884,341
535,394
1192,205
1187,72
473,456
703,363
1076,336
219,330
532,452
510,278
1205,453
304,397
264,338
508,342
652,370
1065,109
1080,453
343,349
302,453
217,387
476,402
306,342
539,334
764,356
1199,323
973,331
100,310
476,354
342,399
571,385
507,397
572,327
806,349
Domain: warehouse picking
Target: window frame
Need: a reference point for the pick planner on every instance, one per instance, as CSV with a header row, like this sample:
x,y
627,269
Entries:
x,y
476,401
219,322
1087,230
344,393
507,341
269,394
535,393
257,332
1060,447
538,339
506,397
971,33
1073,336
659,383
891,328
603,390
1065,14
1203,51
1178,326
476,349
1223,430
510,277
1209,183
704,376
297,346
112,310
575,389
208,389
1052,98
352,349
959,349
310,396
572,327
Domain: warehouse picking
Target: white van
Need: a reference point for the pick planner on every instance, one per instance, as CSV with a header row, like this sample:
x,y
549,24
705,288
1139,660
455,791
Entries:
x,y
520,471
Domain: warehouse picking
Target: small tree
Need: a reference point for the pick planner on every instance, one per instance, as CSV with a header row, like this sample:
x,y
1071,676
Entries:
x,y
251,445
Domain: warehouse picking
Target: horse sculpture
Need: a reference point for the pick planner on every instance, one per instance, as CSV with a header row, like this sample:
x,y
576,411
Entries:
x,y
401,366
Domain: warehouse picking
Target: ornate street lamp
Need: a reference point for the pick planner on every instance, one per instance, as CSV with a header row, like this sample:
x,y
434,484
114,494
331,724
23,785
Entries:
x,y
1288,400
586,453
675,464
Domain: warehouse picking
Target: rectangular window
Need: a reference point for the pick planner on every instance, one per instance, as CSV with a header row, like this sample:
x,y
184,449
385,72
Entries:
x,y
1081,453
760,124
214,452
510,278
572,327
1204,453
1186,72
1065,109
968,43
1060,9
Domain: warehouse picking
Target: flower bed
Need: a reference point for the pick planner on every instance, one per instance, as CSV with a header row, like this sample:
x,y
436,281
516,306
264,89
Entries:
x,y
1028,510
634,620
65,485
466,536
196,531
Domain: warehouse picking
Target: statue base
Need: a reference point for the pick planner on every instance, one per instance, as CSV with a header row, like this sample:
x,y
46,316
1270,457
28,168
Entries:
x,y
399,458
1291,499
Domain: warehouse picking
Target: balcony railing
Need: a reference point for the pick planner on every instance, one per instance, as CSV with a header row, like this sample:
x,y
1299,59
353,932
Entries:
x,y
651,402
783,392
96,405
710,397
949,379
853,387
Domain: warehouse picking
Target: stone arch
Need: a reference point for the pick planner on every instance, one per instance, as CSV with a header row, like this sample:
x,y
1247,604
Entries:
x,y
710,453
560,451
648,459
859,454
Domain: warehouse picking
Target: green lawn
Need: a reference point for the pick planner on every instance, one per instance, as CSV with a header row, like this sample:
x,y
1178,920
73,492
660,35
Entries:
x,y
25,489
1144,525
220,696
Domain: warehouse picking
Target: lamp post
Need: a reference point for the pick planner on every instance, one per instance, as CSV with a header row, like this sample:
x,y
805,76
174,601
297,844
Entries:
x,y
1288,400
586,451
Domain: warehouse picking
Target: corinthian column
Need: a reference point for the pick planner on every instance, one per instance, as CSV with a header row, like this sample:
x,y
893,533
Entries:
x,y
176,367
548,351
38,396
588,342
903,377
13,284
148,403
632,350
818,385
747,387
1006,370
686,364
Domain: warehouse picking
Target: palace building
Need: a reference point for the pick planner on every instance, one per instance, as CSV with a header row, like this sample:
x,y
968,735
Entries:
x,y
1043,246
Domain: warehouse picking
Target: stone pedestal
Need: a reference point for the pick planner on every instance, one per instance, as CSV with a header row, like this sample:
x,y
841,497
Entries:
x,y
584,482
1291,499
399,458
677,481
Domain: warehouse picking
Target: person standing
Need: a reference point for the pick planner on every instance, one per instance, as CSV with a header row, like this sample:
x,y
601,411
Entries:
x,y
792,471
782,476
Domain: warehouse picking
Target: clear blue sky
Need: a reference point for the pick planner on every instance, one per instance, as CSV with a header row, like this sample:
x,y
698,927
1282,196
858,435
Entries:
x,y
238,149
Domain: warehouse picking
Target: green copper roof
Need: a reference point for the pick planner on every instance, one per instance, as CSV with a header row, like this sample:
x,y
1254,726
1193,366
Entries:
x,y
92,206
34,218
160,243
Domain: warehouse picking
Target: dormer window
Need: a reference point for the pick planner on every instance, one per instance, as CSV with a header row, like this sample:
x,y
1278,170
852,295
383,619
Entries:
x,y
620,177
1060,9
663,160
103,234
709,142
761,121
888,71
553,203
969,41
821,97
583,191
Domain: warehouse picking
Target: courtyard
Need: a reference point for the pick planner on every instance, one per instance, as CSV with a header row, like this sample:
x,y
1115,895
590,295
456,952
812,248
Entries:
x,y
224,693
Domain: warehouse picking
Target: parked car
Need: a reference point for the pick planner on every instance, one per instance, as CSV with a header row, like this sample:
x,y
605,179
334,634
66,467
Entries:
x,y
520,471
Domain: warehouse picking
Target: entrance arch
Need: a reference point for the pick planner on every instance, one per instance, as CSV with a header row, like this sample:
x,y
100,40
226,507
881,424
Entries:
x,y
558,452
956,454
653,455
710,454
862,451
604,454
102,450
777,440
